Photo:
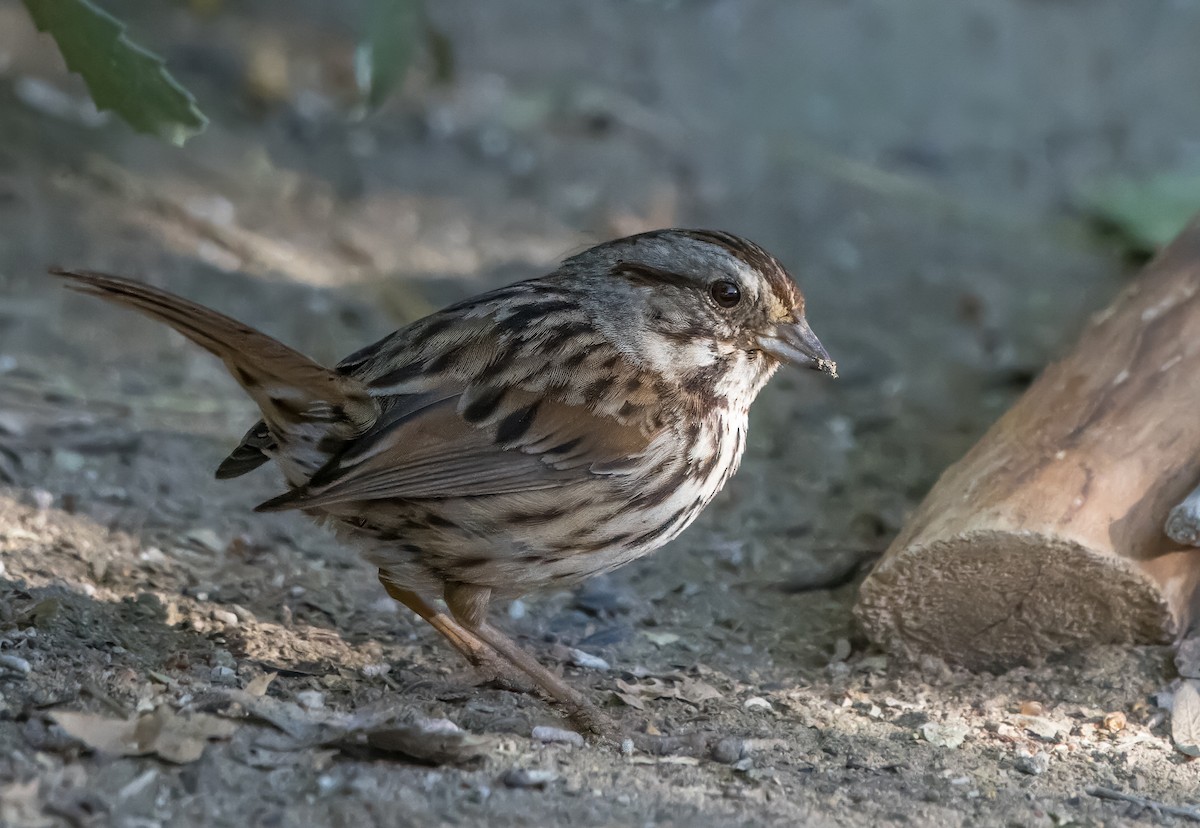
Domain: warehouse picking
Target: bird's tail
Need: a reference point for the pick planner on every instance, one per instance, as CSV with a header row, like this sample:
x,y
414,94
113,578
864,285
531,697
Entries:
x,y
303,403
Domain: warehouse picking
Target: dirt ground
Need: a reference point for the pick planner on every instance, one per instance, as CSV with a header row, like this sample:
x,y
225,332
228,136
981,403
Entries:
x,y
915,165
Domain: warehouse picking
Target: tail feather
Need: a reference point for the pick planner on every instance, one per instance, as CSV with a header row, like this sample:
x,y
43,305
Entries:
x,y
302,401
251,453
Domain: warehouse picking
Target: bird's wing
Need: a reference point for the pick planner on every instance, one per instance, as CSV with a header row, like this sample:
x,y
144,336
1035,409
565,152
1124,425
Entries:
x,y
472,442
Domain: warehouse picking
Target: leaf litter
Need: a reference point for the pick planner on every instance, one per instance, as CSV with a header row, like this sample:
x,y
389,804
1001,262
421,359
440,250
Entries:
x,y
433,741
691,690
170,735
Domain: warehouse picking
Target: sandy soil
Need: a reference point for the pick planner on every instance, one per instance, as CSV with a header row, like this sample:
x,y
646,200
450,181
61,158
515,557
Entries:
x,y
914,166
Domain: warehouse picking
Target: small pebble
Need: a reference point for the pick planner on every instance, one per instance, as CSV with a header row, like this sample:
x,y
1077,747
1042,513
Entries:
x,y
945,734
152,555
934,668
244,615
545,733
1007,731
516,610
872,664
375,670
1115,722
730,750
841,650
757,703
523,778
839,669
627,747
206,539
42,499
588,661
226,617
223,675
1034,765
69,461
311,699
442,726
15,664
1044,729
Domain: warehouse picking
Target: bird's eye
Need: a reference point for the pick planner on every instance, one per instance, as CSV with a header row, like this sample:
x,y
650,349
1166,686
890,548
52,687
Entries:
x,y
725,294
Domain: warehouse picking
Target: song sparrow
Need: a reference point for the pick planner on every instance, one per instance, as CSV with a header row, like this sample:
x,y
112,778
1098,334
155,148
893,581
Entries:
x,y
535,435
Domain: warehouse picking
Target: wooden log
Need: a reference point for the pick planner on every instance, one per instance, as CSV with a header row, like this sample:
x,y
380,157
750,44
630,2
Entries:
x,y
1048,535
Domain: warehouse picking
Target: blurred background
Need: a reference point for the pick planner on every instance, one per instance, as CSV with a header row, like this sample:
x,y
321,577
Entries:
x,y
955,185
932,175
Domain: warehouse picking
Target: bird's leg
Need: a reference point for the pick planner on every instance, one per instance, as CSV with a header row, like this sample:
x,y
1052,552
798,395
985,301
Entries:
x,y
479,654
469,605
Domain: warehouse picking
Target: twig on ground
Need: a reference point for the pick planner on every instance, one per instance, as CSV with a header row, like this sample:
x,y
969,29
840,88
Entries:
x,y
1171,810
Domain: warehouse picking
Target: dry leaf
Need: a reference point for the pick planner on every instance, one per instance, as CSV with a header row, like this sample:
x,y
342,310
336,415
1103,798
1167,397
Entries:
x,y
696,691
631,694
306,728
692,691
661,639
437,742
99,733
258,685
1185,719
630,699
169,735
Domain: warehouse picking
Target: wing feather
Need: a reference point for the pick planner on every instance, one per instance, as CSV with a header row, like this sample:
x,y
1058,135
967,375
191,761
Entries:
x,y
525,442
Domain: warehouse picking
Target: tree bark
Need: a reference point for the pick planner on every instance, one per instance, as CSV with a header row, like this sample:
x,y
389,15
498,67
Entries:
x,y
1048,535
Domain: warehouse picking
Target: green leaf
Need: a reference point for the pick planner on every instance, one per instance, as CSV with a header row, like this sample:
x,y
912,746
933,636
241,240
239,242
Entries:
x,y
389,43
1148,213
394,31
121,76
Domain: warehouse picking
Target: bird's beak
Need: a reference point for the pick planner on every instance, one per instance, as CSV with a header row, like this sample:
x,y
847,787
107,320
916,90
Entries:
x,y
797,344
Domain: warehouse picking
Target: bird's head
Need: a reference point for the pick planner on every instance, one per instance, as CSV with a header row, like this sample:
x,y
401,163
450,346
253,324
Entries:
x,y
700,303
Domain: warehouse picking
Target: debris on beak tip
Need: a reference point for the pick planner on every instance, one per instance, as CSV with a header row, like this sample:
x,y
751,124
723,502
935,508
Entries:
x,y
798,345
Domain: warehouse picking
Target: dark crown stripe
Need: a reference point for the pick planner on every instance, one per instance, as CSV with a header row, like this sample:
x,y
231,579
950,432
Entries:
x,y
754,256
